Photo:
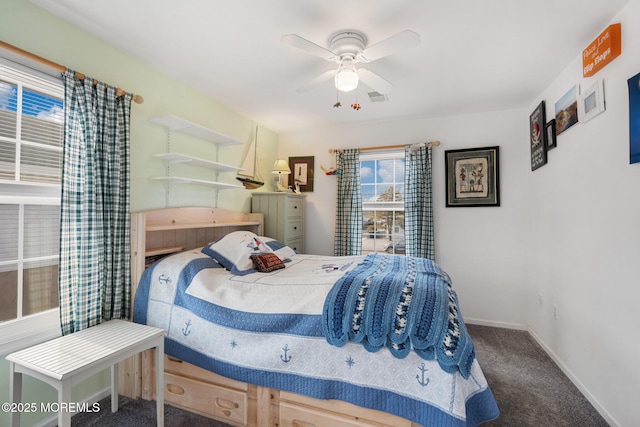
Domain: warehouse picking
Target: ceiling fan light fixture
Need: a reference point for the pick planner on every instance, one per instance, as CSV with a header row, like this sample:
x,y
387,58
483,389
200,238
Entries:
x,y
346,78
346,81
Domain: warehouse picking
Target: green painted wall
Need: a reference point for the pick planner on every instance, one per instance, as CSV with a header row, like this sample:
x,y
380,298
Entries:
x,y
53,39
33,29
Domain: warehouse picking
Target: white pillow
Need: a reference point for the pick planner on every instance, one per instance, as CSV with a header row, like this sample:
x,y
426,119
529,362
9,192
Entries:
x,y
283,251
234,251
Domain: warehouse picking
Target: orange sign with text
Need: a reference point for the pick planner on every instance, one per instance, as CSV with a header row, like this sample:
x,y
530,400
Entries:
x,y
604,49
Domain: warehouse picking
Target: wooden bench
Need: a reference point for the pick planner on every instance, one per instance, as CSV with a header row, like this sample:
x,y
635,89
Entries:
x,y
66,361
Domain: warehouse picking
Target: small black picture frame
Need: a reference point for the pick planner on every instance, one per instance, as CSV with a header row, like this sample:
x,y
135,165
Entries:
x,y
550,132
473,177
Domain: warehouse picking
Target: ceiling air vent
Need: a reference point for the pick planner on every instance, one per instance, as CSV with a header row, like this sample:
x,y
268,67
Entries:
x,y
377,97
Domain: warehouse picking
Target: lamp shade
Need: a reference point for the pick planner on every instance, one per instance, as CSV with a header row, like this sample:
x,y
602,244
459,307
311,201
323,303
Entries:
x,y
280,167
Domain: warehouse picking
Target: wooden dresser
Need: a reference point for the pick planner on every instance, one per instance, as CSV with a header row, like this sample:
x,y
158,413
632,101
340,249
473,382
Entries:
x,y
283,217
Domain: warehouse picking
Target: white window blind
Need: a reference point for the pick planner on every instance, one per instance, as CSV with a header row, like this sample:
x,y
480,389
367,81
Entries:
x,y
31,126
8,120
31,139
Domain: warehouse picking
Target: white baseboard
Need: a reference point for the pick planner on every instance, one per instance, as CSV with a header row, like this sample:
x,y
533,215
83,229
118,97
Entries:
x,y
563,367
481,322
53,420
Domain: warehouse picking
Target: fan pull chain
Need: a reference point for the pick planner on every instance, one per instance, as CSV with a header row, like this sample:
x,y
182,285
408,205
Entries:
x,y
356,105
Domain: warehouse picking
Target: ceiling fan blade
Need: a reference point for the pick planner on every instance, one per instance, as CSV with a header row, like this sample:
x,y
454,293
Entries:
x,y
317,81
309,47
374,81
393,44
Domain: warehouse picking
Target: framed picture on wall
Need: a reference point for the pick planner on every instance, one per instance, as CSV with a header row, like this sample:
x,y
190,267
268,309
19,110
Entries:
x,y
473,177
537,137
301,173
566,110
592,101
550,131
634,119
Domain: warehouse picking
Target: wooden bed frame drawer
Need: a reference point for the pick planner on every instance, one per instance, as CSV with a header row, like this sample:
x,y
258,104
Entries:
x,y
294,416
207,399
177,366
326,412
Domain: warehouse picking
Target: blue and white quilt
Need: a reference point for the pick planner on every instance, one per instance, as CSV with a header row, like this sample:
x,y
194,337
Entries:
x,y
267,329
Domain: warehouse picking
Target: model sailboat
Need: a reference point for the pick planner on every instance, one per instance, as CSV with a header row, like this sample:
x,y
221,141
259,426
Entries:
x,y
250,176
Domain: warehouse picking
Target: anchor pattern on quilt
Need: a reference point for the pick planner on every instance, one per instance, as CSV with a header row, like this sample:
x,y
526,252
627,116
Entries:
x,y
186,331
421,377
162,279
286,358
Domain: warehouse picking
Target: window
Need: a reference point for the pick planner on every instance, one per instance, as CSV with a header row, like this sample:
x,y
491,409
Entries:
x,y
31,138
382,182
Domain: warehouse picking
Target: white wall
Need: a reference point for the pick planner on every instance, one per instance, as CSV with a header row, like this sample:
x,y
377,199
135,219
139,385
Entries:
x,y
565,239
480,247
583,225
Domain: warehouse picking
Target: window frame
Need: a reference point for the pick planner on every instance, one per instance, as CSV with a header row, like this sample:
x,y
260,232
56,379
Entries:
x,y
393,207
22,332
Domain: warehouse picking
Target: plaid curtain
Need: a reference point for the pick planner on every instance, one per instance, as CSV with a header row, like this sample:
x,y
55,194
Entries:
x,y
348,237
94,275
418,204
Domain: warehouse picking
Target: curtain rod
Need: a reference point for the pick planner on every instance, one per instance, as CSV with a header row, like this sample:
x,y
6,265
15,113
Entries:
x,y
119,92
387,147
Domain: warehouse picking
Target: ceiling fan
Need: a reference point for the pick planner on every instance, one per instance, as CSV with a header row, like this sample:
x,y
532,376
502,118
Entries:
x,y
347,48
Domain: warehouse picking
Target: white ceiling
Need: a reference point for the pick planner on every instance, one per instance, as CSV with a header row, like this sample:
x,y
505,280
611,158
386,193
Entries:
x,y
474,55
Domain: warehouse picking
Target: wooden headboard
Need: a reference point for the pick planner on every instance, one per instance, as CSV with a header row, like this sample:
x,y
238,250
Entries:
x,y
165,231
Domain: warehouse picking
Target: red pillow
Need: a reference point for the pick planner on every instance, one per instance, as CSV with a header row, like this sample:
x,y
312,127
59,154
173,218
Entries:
x,y
266,263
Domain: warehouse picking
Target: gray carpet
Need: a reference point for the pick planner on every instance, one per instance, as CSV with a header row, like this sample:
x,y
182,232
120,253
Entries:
x,y
530,389
140,413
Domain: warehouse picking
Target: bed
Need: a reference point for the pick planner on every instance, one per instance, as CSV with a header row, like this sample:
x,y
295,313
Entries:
x,y
373,340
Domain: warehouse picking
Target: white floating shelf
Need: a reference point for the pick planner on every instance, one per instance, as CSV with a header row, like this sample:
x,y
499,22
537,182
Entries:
x,y
194,161
174,123
183,180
